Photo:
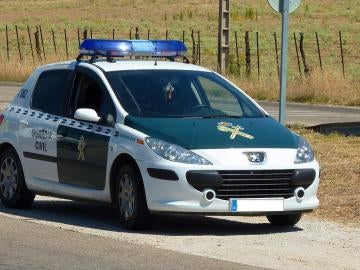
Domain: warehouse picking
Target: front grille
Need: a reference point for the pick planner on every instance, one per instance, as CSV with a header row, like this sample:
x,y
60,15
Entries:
x,y
256,184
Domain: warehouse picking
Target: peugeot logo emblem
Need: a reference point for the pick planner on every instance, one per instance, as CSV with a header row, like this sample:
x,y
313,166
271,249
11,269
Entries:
x,y
256,157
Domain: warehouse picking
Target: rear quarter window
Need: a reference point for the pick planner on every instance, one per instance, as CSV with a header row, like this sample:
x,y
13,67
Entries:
x,y
51,91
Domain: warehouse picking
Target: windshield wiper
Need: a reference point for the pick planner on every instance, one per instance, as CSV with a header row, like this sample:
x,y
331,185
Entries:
x,y
222,116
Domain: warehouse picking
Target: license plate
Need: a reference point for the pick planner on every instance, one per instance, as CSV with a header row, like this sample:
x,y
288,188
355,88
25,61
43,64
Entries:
x,y
256,205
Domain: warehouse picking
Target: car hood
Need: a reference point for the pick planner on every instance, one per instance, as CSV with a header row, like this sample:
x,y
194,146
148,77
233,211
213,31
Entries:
x,y
219,133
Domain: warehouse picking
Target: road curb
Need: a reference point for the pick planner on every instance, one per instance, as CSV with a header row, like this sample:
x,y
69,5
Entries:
x,y
324,106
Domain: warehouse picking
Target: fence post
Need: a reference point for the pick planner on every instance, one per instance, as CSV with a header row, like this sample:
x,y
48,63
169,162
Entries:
x,y
130,34
66,44
53,38
78,36
113,33
237,53
91,33
319,52
85,34
18,43
148,34
258,54
137,35
302,52
342,53
193,47
167,34
42,42
297,55
183,36
277,54
37,43
7,42
199,47
247,54
31,46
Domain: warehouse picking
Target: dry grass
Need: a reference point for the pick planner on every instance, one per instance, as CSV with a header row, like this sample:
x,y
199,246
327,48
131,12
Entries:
x,y
323,16
15,71
339,191
326,88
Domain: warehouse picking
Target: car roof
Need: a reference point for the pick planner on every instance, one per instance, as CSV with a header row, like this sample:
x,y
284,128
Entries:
x,y
148,64
122,65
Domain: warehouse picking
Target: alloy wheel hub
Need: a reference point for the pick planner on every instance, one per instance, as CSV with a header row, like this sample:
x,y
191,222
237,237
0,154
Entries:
x,y
126,196
8,178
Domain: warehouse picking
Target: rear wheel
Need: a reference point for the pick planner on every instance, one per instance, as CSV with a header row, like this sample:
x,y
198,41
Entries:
x,y
13,190
284,220
131,204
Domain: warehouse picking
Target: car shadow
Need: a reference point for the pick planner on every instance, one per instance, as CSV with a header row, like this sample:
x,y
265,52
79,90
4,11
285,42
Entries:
x,y
103,217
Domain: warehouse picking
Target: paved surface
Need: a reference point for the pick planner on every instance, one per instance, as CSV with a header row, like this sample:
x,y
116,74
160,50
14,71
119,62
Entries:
x,y
27,245
296,113
72,234
310,115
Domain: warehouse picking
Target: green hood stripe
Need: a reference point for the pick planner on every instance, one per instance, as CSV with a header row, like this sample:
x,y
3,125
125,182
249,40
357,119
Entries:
x,y
201,133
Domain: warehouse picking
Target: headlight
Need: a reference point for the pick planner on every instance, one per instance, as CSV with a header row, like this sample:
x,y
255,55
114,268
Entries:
x,y
304,153
175,153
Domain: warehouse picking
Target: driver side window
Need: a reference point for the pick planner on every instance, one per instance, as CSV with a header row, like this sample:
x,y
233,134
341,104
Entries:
x,y
89,94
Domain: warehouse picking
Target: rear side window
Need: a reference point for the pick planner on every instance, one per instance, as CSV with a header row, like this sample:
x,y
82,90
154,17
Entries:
x,y
51,91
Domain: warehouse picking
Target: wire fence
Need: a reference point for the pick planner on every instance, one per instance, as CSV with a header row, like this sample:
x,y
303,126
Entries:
x,y
251,53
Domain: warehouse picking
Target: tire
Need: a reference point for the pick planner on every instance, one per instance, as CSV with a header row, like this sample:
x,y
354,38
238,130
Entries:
x,y
284,220
130,191
13,190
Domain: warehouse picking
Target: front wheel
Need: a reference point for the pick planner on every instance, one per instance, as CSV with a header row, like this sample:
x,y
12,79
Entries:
x,y
131,204
13,190
284,220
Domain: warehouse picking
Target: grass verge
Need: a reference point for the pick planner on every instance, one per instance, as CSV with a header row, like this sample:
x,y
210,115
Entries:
x,y
339,191
324,17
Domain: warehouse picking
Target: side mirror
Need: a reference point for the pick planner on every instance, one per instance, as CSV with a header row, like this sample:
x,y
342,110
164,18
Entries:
x,y
89,115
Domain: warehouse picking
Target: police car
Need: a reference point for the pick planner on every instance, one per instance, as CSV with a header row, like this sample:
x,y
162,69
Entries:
x,y
133,124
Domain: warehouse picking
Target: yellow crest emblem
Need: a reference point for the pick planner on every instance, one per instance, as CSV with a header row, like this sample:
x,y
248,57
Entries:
x,y
234,130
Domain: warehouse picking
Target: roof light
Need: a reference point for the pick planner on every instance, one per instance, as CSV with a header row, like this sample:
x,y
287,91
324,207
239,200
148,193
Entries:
x,y
116,48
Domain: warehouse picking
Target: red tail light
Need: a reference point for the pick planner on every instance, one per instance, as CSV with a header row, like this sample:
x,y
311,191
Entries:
x,y
1,118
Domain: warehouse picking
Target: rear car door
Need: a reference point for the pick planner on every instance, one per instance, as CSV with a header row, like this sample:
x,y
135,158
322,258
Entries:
x,y
38,135
83,146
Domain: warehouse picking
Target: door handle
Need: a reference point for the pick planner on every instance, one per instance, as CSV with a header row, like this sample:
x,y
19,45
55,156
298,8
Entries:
x,y
61,134
24,121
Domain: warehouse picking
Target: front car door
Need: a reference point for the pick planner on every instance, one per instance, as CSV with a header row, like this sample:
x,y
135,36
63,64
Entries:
x,y
82,147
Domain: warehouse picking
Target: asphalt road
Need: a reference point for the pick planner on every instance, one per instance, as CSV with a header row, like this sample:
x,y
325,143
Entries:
x,y
297,113
27,245
62,234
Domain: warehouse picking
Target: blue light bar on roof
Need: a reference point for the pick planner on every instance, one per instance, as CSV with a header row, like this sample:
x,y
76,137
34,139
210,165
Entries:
x,y
116,48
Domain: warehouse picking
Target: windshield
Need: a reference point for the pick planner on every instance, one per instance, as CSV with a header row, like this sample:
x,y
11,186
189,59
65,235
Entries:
x,y
179,93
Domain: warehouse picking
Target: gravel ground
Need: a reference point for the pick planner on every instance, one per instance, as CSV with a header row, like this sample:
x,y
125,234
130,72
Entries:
x,y
314,244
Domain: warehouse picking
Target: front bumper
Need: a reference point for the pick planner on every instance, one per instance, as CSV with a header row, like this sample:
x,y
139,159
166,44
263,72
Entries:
x,y
179,196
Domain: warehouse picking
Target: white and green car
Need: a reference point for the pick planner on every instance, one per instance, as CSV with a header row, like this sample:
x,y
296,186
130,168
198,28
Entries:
x,y
150,135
